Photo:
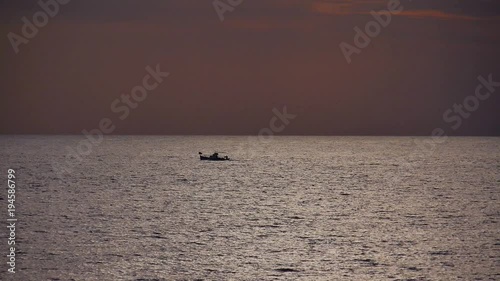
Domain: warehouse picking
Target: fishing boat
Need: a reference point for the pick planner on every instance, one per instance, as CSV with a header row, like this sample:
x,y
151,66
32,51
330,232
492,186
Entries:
x,y
213,157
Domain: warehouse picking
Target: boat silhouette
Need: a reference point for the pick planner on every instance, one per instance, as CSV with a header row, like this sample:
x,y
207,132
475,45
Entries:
x,y
213,157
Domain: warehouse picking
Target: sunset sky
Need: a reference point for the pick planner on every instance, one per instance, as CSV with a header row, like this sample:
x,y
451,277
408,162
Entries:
x,y
226,77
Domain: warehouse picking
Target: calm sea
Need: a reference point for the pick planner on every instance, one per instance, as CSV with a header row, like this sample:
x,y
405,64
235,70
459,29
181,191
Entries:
x,y
291,208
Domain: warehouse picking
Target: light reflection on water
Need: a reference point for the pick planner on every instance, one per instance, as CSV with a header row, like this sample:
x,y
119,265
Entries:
x,y
299,208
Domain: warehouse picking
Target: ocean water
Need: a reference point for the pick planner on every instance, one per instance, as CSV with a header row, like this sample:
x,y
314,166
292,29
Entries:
x,y
290,208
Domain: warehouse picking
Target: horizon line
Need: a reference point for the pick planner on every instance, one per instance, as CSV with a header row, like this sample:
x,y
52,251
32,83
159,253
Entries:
x,y
248,135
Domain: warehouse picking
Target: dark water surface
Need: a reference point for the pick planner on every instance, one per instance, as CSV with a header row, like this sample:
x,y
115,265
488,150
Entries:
x,y
294,208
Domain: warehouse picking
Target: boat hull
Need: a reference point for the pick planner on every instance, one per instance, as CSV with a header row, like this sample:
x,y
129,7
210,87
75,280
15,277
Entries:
x,y
208,158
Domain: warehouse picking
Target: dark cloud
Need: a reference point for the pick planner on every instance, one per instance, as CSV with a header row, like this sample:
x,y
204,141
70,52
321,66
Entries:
x,y
445,9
